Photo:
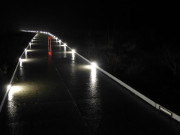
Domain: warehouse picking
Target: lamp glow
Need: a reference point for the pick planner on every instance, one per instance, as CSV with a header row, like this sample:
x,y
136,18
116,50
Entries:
x,y
20,62
73,51
30,45
64,47
94,65
59,41
9,87
25,51
14,90
73,54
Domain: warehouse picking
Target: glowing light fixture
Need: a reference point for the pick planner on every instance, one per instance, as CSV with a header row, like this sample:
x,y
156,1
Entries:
x,y
25,51
14,90
94,65
59,41
73,51
9,87
20,62
30,45
73,54
65,47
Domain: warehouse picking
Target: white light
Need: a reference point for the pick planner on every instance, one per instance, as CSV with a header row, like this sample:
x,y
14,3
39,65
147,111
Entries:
x,y
65,44
30,45
93,75
20,62
73,51
93,65
14,90
25,53
73,54
9,87
65,49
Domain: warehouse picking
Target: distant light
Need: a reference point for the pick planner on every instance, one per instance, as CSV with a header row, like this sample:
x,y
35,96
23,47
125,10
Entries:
x,y
50,53
65,44
9,86
94,65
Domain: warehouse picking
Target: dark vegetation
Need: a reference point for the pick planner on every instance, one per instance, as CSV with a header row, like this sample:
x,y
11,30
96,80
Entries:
x,y
11,46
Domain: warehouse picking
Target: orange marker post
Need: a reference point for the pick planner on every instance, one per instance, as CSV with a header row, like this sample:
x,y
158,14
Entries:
x,y
49,46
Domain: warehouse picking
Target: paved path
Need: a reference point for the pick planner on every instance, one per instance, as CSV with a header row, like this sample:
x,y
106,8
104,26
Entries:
x,y
63,95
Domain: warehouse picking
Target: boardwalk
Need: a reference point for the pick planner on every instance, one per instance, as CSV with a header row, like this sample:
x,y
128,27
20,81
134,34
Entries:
x,y
61,94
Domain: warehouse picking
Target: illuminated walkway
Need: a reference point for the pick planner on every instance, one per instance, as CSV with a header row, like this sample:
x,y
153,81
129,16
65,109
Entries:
x,y
63,94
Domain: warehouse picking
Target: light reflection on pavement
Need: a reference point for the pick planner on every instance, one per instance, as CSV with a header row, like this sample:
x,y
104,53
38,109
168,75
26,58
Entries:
x,y
63,95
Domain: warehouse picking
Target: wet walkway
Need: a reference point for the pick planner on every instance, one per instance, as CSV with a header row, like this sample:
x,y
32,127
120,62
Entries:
x,y
64,95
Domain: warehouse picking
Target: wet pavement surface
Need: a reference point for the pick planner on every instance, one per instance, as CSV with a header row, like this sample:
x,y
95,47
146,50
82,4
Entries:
x,y
61,94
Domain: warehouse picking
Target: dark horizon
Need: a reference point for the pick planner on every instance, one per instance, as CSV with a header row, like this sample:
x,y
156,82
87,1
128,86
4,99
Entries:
x,y
152,21
82,16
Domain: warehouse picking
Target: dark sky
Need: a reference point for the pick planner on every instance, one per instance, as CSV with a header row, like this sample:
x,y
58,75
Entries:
x,y
90,15
48,15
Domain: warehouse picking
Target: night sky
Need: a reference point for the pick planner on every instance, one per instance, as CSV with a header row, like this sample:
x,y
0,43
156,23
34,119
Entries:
x,y
77,17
